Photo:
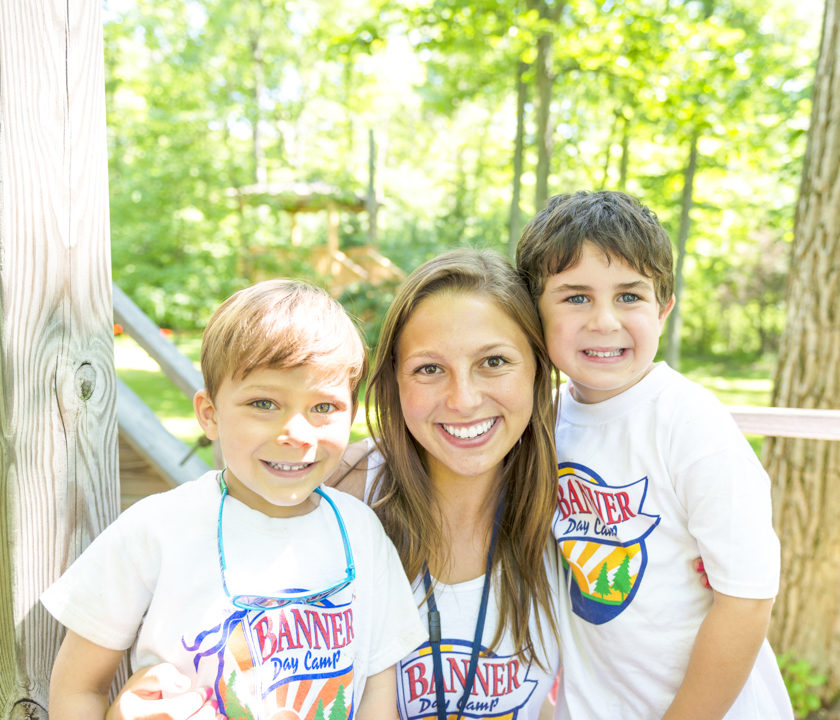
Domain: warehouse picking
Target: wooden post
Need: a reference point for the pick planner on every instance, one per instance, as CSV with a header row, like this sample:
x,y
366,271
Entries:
x,y
58,433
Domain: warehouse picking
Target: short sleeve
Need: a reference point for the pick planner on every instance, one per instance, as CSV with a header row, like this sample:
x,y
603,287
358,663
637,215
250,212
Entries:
x,y
726,495
104,594
396,625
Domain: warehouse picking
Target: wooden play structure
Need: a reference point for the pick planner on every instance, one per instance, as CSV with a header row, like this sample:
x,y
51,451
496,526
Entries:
x,y
341,268
150,458
68,429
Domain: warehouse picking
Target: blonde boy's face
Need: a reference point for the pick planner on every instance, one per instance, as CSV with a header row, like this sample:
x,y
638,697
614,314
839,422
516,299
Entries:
x,y
282,432
602,324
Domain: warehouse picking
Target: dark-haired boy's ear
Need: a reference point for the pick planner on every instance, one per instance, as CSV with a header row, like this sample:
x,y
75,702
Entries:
x,y
666,311
205,412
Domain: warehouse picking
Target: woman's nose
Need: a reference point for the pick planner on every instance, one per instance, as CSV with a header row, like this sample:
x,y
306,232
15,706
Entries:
x,y
463,393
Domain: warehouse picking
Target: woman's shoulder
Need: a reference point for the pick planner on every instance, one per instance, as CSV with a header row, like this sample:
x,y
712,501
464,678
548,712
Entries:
x,y
351,474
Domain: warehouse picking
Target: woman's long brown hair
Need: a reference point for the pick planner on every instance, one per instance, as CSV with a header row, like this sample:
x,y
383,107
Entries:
x,y
402,489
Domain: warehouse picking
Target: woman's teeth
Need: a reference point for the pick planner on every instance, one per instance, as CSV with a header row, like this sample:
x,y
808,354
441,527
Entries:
x,y
470,431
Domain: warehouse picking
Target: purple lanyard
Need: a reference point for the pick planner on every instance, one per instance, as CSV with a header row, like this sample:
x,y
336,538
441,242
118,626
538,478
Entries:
x,y
434,629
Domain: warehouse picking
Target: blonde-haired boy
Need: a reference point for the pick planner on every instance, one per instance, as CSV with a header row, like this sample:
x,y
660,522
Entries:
x,y
282,596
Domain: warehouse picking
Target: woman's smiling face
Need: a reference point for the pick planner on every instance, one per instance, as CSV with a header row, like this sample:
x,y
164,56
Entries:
x,y
465,372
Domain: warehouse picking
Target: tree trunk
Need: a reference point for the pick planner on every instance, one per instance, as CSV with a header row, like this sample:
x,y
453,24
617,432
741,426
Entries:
x,y
59,483
370,200
515,220
550,13
624,164
605,174
260,172
621,126
672,352
805,473
545,135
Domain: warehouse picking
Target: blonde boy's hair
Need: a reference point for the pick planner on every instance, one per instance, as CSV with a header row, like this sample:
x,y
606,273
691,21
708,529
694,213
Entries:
x,y
615,222
281,324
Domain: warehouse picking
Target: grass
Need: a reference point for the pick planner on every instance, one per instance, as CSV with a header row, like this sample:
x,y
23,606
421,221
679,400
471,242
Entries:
x,y
734,381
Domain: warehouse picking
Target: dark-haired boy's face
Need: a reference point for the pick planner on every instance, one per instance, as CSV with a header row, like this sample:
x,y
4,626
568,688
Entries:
x,y
602,324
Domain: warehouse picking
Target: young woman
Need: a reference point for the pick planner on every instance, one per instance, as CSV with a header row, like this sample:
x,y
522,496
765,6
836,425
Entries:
x,y
460,470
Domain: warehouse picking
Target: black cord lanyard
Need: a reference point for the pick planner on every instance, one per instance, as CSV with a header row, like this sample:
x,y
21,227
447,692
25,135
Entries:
x,y
434,630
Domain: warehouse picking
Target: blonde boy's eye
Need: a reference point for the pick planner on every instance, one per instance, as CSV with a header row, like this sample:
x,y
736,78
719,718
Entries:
x,y
323,408
576,299
263,404
629,297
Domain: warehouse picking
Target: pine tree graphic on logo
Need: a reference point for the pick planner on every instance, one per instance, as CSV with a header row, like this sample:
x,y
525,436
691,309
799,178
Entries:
x,y
233,705
602,585
622,582
338,711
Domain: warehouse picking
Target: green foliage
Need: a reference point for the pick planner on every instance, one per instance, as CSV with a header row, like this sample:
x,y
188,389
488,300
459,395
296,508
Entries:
x,y
368,305
803,684
209,96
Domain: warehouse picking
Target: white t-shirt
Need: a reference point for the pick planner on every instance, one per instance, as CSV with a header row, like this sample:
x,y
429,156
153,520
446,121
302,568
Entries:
x,y
505,685
649,480
152,581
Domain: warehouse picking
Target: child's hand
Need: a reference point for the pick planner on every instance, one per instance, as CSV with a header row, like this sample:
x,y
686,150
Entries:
x,y
698,567
162,692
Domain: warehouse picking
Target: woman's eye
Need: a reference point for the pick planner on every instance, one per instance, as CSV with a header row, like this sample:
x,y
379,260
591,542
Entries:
x,y
496,361
429,369
323,408
263,404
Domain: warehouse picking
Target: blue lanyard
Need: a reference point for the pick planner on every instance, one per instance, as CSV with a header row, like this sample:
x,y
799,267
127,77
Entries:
x,y
434,629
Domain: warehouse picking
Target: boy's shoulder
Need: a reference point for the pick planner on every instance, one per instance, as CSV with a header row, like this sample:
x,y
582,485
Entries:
x,y
668,388
675,384
184,497
688,401
662,385
364,528
669,400
695,420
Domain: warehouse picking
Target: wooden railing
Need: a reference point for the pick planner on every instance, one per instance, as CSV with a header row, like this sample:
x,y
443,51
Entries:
x,y
138,424
788,422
